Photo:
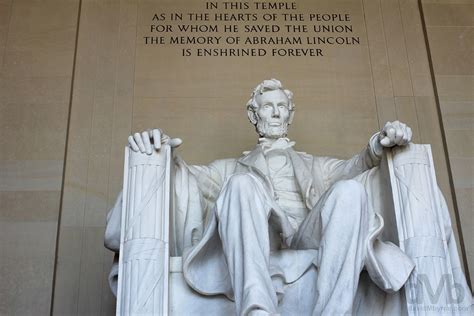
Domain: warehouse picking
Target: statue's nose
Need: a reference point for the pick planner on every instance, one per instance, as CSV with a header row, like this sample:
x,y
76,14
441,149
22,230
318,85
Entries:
x,y
276,112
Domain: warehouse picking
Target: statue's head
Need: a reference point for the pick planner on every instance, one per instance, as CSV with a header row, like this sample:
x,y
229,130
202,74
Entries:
x,y
271,109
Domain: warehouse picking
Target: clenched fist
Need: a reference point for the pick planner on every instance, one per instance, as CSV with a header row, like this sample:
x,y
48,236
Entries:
x,y
395,134
147,141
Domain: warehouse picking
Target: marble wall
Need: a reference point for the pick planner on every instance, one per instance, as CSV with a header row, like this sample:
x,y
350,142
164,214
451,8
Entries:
x,y
37,44
450,30
121,85
101,117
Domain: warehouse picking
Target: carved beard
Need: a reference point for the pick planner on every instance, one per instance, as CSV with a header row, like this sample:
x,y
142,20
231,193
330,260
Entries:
x,y
267,131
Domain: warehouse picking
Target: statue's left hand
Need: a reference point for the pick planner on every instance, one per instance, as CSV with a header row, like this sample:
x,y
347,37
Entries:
x,y
395,134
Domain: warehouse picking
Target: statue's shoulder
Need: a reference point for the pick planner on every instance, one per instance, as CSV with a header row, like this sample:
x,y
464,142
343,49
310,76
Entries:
x,y
304,155
223,162
224,166
317,162
322,160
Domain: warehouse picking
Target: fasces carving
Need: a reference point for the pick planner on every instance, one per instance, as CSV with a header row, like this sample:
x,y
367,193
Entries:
x,y
278,231
144,245
437,283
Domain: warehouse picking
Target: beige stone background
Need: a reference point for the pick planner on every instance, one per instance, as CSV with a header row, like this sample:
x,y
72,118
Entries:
x,y
76,80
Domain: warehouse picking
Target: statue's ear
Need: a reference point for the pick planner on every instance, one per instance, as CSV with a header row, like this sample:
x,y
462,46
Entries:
x,y
292,114
252,116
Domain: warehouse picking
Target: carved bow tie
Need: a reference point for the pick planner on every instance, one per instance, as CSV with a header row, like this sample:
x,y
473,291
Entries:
x,y
281,144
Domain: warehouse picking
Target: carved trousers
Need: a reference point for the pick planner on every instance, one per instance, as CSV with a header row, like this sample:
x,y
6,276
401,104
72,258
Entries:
x,y
337,226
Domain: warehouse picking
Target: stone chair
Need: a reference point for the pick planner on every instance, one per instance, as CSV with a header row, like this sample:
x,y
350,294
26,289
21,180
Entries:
x,y
147,275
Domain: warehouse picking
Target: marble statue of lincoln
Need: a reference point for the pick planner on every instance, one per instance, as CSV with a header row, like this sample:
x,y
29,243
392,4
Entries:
x,y
252,215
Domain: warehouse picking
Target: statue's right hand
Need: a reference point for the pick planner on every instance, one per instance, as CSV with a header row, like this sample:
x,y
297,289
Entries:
x,y
147,141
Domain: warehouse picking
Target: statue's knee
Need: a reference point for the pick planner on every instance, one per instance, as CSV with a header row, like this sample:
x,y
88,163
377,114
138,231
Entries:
x,y
349,190
241,186
351,200
242,198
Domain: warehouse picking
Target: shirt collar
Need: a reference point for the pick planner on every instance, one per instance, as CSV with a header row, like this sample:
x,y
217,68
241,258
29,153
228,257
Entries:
x,y
270,144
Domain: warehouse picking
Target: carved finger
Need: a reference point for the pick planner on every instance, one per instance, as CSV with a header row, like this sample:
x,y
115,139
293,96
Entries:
x,y
385,141
406,135
410,134
132,144
165,139
157,138
146,142
175,142
391,134
139,141
398,136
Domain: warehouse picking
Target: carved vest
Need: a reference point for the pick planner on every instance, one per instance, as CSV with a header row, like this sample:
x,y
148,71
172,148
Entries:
x,y
287,192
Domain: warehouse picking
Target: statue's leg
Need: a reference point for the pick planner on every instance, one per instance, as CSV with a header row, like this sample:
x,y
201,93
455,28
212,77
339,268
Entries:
x,y
243,208
341,214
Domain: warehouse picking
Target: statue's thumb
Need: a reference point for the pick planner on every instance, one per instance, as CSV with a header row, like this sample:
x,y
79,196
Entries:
x,y
385,141
175,142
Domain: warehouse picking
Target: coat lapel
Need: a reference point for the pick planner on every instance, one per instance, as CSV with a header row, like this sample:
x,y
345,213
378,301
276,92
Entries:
x,y
256,160
304,177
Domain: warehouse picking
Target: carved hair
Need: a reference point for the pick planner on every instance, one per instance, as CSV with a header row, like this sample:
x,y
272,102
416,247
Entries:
x,y
269,85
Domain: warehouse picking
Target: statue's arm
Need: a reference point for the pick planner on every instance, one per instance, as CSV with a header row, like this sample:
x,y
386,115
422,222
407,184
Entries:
x,y
208,177
211,177
152,139
392,134
335,169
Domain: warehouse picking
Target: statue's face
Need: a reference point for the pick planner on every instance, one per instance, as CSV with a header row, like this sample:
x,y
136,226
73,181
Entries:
x,y
273,114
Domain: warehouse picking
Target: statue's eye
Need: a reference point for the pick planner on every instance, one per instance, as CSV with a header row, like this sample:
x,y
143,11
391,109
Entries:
x,y
267,106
